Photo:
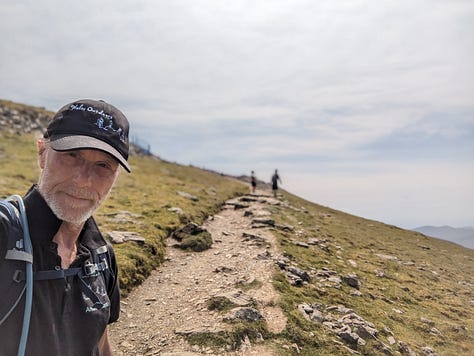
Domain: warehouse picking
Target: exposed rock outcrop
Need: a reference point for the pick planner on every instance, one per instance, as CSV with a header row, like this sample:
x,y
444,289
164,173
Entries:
x,y
21,119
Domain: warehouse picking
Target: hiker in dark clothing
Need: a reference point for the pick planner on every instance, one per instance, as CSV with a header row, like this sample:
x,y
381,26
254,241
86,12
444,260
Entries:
x,y
253,181
275,179
75,288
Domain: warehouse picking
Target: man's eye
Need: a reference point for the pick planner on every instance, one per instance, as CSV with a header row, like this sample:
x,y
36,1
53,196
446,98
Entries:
x,y
103,165
70,158
71,155
104,169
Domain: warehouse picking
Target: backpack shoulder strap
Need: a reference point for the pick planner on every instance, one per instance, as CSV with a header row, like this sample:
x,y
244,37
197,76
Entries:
x,y
100,264
13,264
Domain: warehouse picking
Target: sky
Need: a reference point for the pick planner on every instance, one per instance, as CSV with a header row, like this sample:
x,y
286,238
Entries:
x,y
365,106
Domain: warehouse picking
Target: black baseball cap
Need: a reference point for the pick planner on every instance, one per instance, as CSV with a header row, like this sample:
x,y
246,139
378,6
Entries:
x,y
91,124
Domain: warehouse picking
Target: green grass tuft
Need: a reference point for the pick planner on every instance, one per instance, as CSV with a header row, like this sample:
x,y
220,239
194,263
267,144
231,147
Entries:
x,y
197,243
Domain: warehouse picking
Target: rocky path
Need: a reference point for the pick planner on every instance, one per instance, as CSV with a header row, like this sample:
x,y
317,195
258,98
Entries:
x,y
173,301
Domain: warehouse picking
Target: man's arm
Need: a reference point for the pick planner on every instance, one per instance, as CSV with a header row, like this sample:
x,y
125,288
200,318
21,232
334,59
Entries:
x,y
104,346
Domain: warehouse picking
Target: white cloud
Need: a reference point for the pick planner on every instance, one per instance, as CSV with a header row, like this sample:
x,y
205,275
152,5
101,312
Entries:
x,y
234,84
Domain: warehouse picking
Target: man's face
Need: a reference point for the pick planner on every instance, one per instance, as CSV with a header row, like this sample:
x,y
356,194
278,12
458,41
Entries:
x,y
75,183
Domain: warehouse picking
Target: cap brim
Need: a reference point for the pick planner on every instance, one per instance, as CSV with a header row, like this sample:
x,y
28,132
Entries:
x,y
67,143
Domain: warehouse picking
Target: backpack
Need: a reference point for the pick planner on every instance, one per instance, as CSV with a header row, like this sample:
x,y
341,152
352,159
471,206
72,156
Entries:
x,y
16,265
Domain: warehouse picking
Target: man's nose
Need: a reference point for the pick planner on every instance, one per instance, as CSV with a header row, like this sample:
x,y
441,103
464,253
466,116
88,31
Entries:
x,y
83,175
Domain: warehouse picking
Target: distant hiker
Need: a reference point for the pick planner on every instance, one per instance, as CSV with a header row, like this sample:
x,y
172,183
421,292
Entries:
x,y
253,180
75,283
275,179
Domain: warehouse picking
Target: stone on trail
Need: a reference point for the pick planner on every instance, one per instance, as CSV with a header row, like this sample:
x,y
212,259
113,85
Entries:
x,y
246,314
119,237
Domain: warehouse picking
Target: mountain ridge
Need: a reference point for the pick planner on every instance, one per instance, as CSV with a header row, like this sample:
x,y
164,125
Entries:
x,y
461,235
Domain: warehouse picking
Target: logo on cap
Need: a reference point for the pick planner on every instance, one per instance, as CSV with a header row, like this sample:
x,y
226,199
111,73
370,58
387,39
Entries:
x,y
109,127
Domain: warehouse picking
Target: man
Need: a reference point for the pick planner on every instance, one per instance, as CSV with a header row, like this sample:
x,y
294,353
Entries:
x,y
275,179
75,291
253,181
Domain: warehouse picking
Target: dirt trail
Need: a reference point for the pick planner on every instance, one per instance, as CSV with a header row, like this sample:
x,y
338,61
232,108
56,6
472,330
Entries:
x,y
172,302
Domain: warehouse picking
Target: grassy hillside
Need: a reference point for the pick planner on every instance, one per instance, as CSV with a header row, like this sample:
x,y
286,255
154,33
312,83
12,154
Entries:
x,y
416,291
419,290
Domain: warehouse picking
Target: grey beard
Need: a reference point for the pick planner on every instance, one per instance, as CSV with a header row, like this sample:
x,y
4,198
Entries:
x,y
76,218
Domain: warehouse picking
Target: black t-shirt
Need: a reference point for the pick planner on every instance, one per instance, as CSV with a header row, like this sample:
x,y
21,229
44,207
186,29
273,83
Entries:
x,y
70,314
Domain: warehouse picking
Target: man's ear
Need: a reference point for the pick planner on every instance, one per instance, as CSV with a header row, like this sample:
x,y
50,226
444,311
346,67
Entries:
x,y
41,153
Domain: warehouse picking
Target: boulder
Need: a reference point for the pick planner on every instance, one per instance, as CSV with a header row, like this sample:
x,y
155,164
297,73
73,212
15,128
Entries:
x,y
352,280
245,314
